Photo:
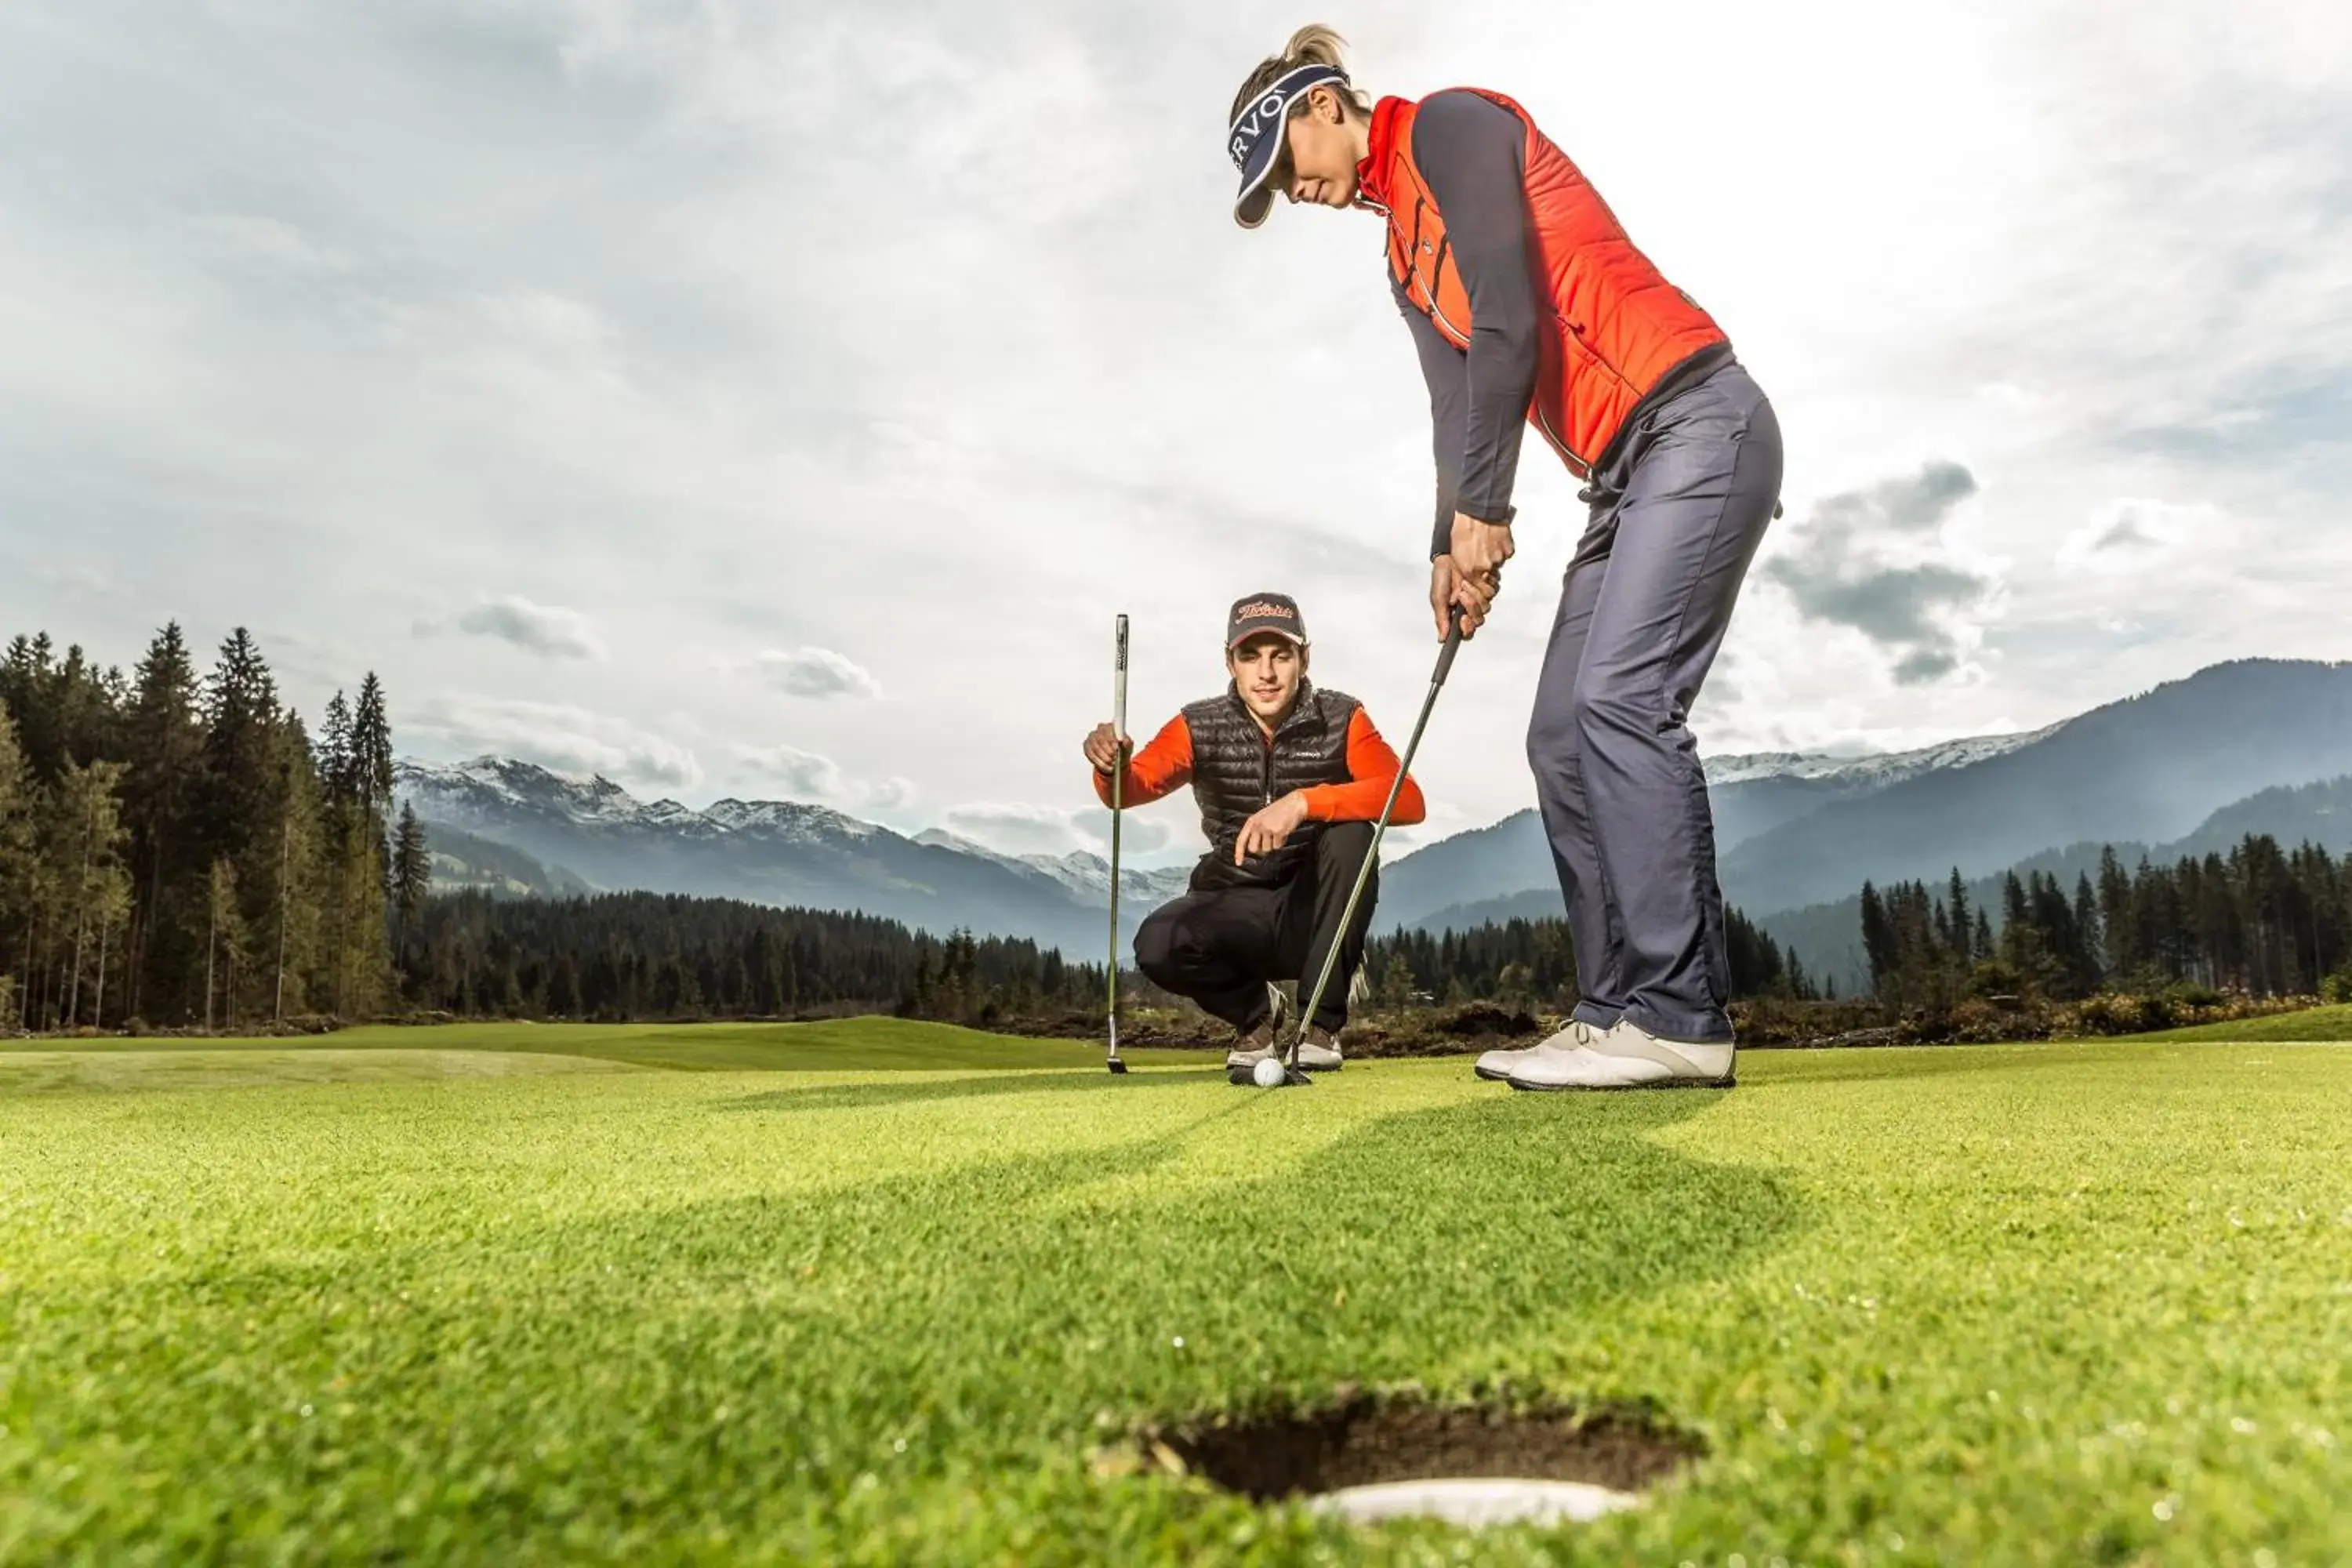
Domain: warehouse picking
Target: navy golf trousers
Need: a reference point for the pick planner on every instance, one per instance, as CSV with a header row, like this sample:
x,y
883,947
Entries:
x,y
1678,514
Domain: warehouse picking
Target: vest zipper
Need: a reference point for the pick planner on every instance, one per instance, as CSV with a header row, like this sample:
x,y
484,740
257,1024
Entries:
x,y
1583,468
1429,291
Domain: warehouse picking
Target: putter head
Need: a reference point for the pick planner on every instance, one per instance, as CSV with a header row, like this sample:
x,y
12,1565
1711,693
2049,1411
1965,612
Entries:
x,y
1116,1066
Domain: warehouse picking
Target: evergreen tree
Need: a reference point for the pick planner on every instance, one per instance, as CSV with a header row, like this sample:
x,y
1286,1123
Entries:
x,y
1800,985
358,877
66,710
336,771
217,796
225,946
371,749
412,865
17,881
85,842
2116,928
164,750
1877,937
296,875
2087,941
563,988
240,710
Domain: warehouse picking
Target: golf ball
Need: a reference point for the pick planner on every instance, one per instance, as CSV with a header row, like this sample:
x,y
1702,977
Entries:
x,y
1268,1074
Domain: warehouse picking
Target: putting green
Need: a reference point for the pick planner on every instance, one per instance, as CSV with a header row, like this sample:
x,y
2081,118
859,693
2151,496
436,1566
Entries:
x,y
2046,1303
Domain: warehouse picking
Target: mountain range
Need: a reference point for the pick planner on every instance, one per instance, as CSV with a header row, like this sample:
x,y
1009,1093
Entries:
x,y
1795,832
1454,880
592,834
2219,753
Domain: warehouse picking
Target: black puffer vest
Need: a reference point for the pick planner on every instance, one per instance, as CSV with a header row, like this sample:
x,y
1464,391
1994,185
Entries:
x,y
1235,774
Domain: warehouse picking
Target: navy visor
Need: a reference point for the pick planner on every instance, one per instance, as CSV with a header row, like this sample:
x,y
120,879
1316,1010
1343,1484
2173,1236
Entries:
x,y
1257,139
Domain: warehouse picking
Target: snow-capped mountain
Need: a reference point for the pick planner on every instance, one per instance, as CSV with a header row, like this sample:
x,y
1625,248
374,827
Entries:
x,y
489,789
1875,771
789,820
776,852
1794,829
488,786
1084,873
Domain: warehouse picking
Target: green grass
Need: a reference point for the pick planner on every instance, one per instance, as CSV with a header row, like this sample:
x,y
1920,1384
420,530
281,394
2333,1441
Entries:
x,y
2313,1024
867,1044
2057,1303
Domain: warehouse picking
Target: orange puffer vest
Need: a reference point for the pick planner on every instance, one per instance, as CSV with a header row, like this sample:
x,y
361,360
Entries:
x,y
1615,327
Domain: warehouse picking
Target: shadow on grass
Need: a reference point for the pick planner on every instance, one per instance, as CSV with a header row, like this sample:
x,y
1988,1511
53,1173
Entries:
x,y
1000,1305
757,1358
976,1086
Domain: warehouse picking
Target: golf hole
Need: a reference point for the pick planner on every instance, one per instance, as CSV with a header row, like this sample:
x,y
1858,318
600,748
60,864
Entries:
x,y
1370,1460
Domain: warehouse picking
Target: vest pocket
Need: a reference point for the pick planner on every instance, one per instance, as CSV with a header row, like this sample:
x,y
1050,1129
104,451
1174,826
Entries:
x,y
1584,364
1584,358
1549,408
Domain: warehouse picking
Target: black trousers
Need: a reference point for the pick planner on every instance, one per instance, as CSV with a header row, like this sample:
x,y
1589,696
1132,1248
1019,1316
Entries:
x,y
1221,946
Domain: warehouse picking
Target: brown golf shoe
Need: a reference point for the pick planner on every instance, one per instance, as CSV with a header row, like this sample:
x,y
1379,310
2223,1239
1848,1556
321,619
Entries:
x,y
1251,1045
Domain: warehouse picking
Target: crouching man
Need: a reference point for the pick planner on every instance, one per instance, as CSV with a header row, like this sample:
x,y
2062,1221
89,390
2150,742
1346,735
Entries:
x,y
1289,778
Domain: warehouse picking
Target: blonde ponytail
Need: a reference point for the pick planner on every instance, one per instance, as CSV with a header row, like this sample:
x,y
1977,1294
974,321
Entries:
x,y
1317,44
1313,45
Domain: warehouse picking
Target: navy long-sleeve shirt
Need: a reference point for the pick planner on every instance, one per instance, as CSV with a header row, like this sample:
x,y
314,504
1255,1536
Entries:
x,y
1471,152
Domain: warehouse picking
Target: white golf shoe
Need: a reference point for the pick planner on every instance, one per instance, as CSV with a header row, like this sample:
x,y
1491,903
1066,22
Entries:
x,y
1319,1050
1496,1067
1626,1056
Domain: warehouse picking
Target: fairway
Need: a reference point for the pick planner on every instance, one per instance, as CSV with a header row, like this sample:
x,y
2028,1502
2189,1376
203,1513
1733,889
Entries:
x,y
885,1292
861,1045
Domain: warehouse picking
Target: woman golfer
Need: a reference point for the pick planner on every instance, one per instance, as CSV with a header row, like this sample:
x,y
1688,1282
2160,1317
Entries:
x,y
1527,301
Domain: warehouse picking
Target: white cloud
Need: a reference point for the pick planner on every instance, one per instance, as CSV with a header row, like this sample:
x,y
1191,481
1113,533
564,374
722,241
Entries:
x,y
816,672
79,579
557,736
269,246
811,777
549,630
803,775
2126,537
2086,251
1884,562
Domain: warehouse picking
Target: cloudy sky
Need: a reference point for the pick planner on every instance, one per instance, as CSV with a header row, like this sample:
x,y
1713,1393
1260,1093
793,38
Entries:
x,y
781,400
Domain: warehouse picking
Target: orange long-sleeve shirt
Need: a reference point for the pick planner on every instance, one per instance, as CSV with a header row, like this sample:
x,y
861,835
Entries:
x,y
1164,766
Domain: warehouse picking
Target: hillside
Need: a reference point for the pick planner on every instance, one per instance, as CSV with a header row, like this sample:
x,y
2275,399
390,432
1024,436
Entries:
x,y
463,861
1828,936
2150,768
779,853
1751,794
1796,829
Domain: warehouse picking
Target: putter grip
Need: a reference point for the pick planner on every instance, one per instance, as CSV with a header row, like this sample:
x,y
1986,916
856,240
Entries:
x,y
1453,646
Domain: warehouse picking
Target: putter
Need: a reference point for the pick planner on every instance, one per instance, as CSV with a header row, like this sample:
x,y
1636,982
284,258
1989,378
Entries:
x,y
1118,789
1292,1077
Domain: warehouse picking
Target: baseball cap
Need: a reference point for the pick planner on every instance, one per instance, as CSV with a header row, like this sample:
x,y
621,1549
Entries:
x,y
1276,612
1256,140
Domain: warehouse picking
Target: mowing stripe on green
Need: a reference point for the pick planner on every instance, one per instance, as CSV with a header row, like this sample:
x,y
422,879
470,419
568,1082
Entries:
x,y
2045,1303
865,1045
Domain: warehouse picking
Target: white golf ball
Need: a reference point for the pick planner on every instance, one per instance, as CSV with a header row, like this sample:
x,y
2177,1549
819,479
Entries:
x,y
1268,1074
